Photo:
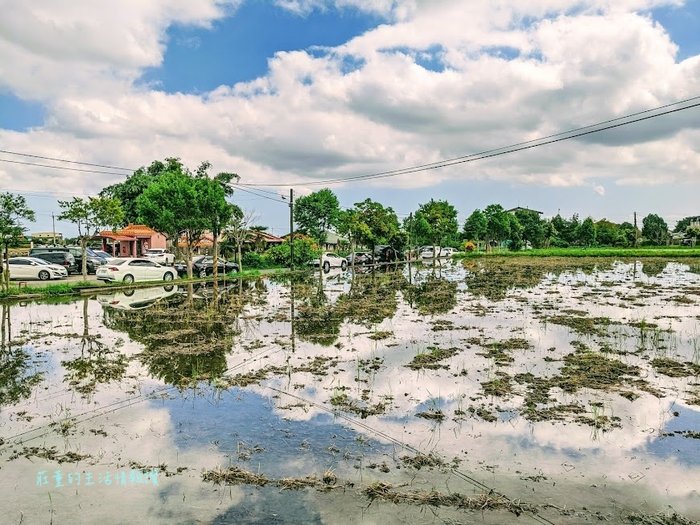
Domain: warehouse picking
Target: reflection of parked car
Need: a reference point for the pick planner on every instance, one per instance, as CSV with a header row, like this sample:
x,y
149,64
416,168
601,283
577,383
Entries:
x,y
203,266
330,260
428,252
134,269
63,259
359,258
34,268
137,299
160,256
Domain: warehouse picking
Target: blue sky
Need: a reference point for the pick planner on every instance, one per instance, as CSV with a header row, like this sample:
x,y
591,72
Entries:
x,y
301,90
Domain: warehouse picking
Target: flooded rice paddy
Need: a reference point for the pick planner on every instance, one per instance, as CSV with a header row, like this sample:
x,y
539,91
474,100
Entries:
x,y
488,391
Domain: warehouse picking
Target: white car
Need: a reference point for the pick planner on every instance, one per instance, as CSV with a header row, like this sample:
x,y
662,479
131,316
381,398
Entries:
x,y
330,260
135,269
35,268
427,252
159,255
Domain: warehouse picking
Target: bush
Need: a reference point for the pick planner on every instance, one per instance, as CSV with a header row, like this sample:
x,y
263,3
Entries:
x,y
254,260
304,251
468,246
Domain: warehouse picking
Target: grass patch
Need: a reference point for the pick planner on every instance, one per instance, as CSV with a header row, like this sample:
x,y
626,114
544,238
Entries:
x,y
672,368
432,358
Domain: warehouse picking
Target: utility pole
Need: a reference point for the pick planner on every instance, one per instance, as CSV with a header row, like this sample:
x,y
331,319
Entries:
x,y
636,231
53,221
291,228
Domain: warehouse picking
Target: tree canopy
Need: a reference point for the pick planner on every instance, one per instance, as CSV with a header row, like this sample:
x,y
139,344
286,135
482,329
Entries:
x,y
317,213
13,210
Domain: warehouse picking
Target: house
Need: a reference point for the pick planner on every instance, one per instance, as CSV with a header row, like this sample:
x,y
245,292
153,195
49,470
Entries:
x,y
334,241
132,241
518,208
205,244
43,237
259,240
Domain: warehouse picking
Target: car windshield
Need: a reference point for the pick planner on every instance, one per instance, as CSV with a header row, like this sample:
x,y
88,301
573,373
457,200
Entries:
x,y
118,261
39,261
153,252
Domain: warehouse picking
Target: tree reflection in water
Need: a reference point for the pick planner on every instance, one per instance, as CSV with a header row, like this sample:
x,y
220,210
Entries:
x,y
188,335
96,364
16,377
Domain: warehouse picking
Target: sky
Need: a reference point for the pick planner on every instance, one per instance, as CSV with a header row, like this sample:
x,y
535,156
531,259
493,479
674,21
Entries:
x,y
288,92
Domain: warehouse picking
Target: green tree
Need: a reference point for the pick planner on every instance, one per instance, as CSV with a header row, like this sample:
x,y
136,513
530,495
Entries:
x,y
13,210
533,227
629,233
374,223
497,224
317,213
129,190
90,216
435,223
586,233
176,204
516,232
654,229
475,226
682,225
216,208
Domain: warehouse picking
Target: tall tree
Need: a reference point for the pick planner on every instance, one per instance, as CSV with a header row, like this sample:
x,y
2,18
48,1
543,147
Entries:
x,y
497,223
586,233
238,231
13,210
316,214
130,189
90,216
654,229
475,226
215,207
435,223
376,224
533,227
175,205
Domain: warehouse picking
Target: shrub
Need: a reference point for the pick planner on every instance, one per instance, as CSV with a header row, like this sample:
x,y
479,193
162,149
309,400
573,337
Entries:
x,y
304,251
468,246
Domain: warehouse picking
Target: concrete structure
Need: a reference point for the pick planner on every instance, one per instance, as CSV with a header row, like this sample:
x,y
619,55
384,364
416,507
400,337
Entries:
x,y
132,241
45,237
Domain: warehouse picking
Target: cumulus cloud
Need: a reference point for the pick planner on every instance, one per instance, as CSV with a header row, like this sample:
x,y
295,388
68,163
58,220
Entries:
x,y
435,81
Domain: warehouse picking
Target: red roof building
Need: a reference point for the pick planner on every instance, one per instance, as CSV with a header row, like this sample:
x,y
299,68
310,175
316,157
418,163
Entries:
x,y
132,241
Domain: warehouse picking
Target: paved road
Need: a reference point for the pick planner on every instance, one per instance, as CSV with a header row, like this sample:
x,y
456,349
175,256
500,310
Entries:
x,y
73,278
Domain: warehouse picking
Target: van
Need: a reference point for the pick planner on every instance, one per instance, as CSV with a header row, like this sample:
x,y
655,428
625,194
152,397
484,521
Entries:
x,y
64,259
93,261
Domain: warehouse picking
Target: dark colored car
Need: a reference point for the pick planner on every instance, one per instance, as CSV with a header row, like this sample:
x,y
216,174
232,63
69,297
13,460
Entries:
x,y
64,259
386,254
360,258
203,266
92,260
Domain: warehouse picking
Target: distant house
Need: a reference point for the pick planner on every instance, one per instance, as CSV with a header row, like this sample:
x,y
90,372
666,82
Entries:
x,y
334,241
204,245
518,208
132,241
259,240
695,222
44,237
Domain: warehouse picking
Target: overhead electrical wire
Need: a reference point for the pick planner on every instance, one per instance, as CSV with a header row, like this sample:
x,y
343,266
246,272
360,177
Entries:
x,y
512,148
55,159
504,150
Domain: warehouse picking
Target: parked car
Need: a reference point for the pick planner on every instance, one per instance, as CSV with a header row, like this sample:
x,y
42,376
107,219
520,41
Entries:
x,y
426,252
384,253
103,255
160,255
133,269
63,259
34,268
93,261
203,266
359,257
330,260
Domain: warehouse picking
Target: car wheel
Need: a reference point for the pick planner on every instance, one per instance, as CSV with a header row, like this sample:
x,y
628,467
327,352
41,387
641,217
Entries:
x,y
326,267
202,274
128,278
344,265
168,276
44,275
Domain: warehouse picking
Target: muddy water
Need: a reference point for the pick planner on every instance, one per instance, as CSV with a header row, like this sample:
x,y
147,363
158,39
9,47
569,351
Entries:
x,y
499,391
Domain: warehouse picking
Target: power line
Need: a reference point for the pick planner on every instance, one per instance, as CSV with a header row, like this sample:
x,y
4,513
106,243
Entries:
x,y
55,159
504,150
258,194
64,168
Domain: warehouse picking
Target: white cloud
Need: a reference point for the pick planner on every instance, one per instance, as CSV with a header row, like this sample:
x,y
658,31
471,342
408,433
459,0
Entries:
x,y
499,73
